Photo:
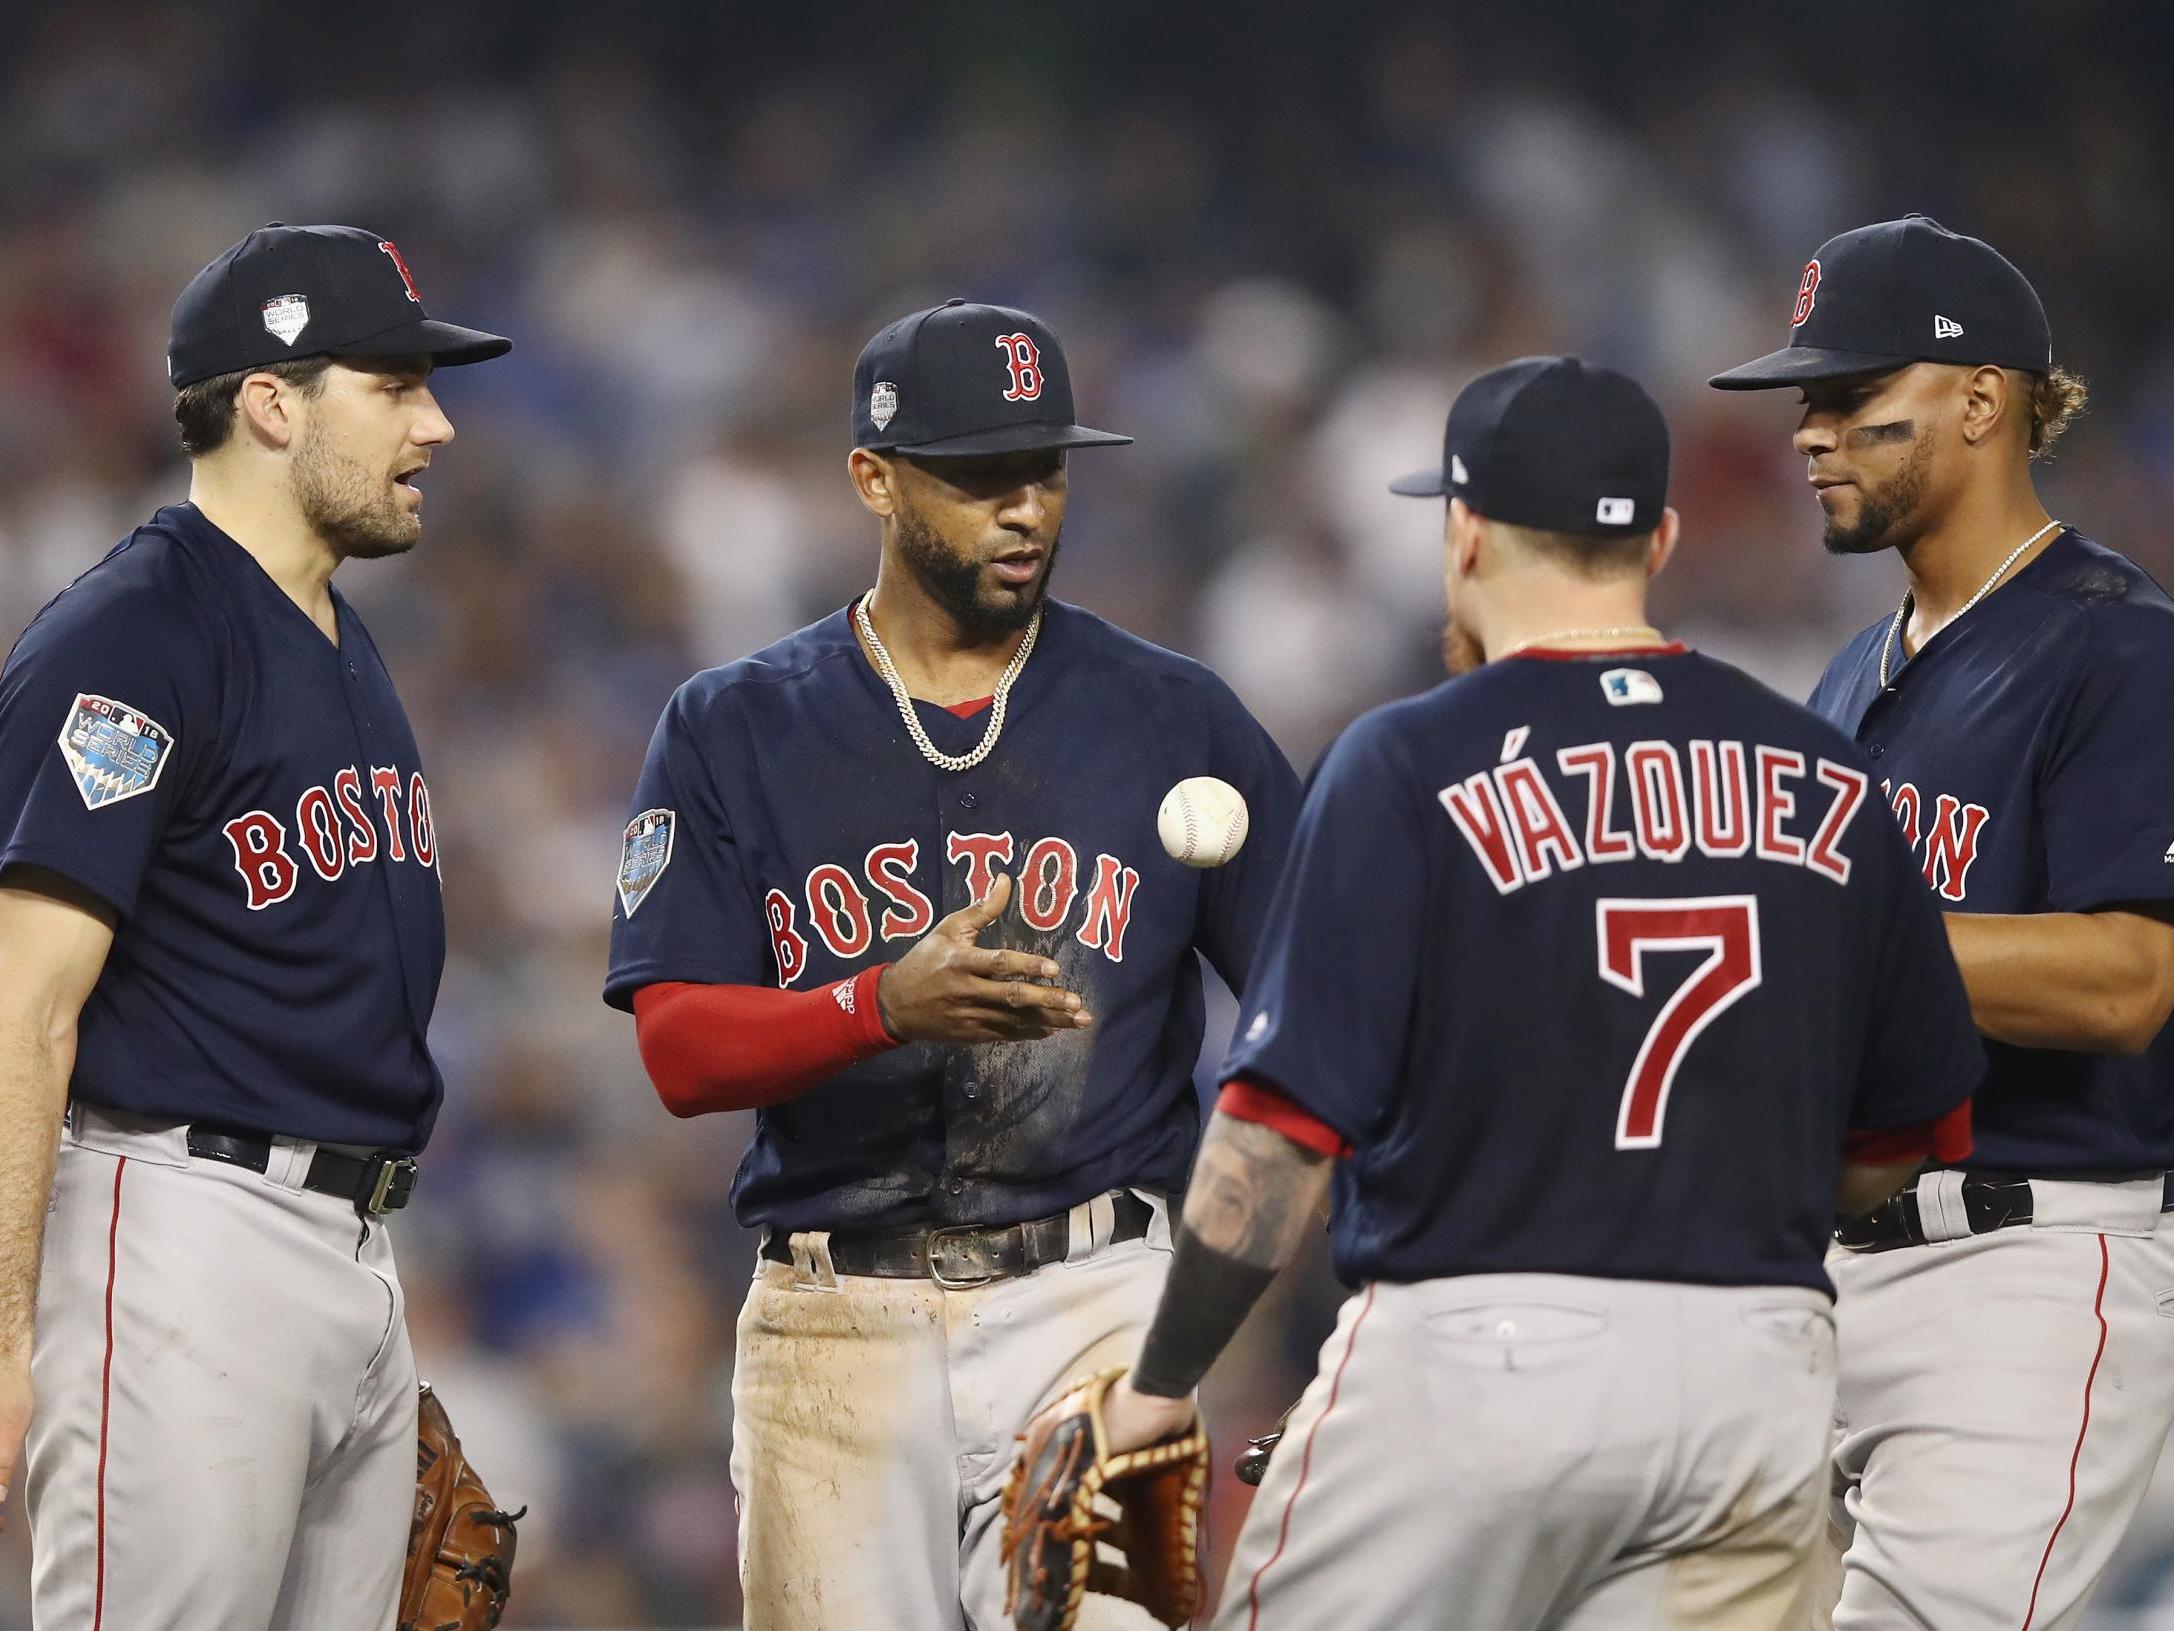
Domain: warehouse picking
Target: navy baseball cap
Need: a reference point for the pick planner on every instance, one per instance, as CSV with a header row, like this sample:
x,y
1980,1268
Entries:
x,y
285,292
1554,443
1898,292
961,379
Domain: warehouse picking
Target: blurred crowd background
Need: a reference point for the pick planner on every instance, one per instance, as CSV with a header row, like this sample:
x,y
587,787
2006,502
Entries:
x,y
1276,240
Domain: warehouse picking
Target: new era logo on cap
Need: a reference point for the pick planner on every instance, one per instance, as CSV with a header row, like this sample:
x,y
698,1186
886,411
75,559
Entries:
x,y
1457,472
1945,328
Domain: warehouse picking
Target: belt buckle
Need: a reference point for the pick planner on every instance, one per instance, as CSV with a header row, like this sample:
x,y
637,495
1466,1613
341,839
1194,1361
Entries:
x,y
936,1271
392,1181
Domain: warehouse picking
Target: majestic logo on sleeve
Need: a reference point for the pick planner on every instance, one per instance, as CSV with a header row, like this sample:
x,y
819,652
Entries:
x,y
643,856
850,910
1731,799
113,751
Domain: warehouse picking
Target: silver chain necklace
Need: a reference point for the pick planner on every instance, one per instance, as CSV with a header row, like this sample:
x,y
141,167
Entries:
x,y
1621,631
889,671
1894,629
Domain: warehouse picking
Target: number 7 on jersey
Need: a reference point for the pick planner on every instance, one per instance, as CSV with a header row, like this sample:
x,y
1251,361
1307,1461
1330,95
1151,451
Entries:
x,y
1726,929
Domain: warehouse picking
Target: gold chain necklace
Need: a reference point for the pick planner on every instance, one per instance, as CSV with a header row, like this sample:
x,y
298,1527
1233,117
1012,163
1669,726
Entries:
x,y
889,671
1894,629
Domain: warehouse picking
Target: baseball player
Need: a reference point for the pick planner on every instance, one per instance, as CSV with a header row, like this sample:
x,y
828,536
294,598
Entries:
x,y
220,939
1590,964
2008,1371
895,883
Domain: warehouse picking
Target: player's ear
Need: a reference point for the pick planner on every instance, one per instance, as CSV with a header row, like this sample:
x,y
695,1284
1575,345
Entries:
x,y
1988,402
264,406
1463,536
1662,544
875,481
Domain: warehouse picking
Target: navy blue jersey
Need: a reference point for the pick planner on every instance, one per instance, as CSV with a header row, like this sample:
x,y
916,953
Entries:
x,y
2027,755
1595,961
180,739
787,831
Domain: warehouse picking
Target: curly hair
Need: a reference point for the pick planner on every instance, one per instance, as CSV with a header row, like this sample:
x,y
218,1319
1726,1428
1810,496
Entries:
x,y
2057,396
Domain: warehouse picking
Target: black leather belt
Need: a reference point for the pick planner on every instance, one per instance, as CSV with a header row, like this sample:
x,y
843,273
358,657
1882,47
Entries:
x,y
962,1255
376,1183
1991,1200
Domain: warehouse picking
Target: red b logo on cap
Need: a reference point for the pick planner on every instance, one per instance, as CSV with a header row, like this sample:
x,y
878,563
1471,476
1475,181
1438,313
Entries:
x,y
407,277
1807,292
1025,362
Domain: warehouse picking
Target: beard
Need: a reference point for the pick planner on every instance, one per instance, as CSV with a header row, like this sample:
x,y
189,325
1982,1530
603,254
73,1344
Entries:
x,y
355,511
954,583
1884,516
1461,650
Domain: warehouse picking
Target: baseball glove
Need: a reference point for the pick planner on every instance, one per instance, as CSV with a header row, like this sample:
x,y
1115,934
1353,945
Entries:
x,y
1067,1494
460,1549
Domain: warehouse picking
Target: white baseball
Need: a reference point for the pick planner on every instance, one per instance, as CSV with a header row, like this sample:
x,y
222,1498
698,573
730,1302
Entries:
x,y
1202,821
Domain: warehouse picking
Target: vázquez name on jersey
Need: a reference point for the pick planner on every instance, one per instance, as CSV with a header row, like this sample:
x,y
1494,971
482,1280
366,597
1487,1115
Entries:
x,y
1730,799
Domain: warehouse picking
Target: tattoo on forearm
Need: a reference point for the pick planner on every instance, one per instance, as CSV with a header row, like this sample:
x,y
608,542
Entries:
x,y
1249,1197
1252,1195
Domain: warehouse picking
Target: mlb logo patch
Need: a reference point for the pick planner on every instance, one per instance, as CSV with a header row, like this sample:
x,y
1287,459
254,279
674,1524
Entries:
x,y
286,316
1627,687
1615,512
645,853
113,751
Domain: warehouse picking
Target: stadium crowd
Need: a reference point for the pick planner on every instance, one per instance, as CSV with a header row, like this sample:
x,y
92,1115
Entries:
x,y
1274,251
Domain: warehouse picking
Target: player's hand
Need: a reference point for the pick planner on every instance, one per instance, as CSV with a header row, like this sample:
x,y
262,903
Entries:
x,y
15,1399
1135,1420
948,989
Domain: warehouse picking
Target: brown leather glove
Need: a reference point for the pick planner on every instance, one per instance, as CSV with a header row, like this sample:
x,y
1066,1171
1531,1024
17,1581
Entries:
x,y
460,1550
1148,1508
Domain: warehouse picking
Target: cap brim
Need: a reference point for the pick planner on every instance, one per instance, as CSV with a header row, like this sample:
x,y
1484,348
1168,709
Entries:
x,y
1420,484
1800,364
1013,439
447,345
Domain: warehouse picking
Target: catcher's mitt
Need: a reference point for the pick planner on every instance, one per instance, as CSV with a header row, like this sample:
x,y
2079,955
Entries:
x,y
460,1550
1066,1493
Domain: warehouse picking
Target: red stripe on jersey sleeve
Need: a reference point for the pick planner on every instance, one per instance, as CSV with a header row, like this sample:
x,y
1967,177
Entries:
x,y
1255,1101
739,1047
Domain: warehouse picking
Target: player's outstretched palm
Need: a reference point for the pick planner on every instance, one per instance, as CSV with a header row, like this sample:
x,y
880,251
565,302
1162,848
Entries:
x,y
949,989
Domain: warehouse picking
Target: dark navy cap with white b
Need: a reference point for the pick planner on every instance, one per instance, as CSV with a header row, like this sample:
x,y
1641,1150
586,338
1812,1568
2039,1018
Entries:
x,y
326,291
962,379
1884,296
1554,443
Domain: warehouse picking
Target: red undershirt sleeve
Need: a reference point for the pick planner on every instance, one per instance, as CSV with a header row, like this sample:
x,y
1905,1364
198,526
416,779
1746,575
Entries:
x,y
1948,1140
1252,1100
739,1047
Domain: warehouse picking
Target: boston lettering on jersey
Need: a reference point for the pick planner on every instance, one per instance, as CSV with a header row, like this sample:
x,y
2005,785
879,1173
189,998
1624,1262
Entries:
x,y
1734,799
2023,751
1543,936
179,738
786,831
839,909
